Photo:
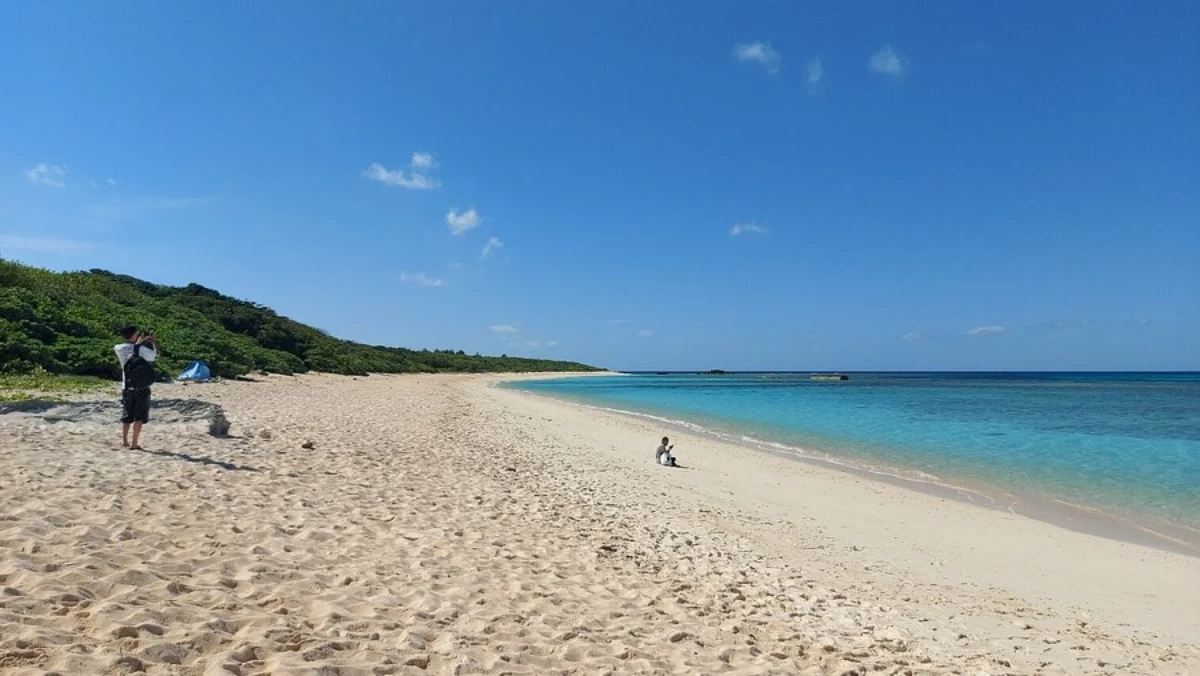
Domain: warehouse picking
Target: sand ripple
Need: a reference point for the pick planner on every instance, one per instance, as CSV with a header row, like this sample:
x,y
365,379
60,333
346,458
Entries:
x,y
432,529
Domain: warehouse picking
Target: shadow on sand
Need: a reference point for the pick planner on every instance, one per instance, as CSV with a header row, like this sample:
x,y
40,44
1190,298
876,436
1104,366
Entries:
x,y
201,460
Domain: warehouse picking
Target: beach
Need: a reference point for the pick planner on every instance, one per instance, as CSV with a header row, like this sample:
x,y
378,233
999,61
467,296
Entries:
x,y
440,524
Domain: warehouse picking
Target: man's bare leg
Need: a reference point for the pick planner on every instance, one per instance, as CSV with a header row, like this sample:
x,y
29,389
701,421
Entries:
x,y
125,435
137,433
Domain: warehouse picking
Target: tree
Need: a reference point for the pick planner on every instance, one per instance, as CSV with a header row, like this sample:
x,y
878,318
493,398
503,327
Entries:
x,y
67,322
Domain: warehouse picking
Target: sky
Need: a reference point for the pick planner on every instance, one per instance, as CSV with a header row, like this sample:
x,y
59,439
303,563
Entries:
x,y
664,185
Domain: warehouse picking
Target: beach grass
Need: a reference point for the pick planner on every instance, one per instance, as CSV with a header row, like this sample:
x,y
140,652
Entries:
x,y
44,385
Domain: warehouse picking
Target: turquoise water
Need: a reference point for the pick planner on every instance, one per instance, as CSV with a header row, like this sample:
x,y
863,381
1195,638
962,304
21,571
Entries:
x,y
1127,443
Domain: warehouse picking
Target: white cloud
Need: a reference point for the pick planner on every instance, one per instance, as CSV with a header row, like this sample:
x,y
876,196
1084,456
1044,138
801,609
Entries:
x,y
50,245
50,174
399,179
990,330
888,62
815,72
505,329
753,228
912,335
464,221
420,278
532,343
760,53
552,343
112,182
422,161
489,249
645,333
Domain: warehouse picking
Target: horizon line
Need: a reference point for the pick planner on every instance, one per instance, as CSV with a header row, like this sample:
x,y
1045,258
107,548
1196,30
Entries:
x,y
708,371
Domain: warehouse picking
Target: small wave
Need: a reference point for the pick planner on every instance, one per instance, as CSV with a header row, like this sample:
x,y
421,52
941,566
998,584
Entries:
x,y
785,449
1154,530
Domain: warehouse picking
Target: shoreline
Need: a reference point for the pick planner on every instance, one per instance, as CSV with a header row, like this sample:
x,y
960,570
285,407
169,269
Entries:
x,y
437,524
932,538
1139,529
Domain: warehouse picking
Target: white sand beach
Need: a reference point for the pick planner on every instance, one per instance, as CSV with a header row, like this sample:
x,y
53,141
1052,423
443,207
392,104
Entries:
x,y
439,525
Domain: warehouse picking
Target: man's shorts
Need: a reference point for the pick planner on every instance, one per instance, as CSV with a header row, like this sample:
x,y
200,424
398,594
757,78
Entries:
x,y
135,406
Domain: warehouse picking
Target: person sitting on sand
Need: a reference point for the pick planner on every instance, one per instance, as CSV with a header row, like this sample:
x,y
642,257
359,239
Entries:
x,y
662,455
137,374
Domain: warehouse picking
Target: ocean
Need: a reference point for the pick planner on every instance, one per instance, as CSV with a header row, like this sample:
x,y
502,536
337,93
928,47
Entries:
x,y
1125,445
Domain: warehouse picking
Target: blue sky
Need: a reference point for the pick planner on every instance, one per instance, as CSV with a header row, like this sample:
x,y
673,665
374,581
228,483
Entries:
x,y
637,185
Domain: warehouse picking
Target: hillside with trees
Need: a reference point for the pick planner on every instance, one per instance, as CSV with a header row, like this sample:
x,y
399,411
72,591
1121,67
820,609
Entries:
x,y
66,323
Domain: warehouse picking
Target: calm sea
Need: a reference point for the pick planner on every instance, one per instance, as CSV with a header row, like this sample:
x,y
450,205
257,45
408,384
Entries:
x,y
1125,443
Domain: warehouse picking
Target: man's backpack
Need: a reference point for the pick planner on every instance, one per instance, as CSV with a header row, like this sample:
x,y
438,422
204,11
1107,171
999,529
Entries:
x,y
139,373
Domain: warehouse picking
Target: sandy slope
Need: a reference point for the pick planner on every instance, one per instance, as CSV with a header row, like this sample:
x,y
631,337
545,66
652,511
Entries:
x,y
442,526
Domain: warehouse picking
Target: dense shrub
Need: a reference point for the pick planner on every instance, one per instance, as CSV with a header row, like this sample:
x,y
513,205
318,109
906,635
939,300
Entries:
x,y
66,323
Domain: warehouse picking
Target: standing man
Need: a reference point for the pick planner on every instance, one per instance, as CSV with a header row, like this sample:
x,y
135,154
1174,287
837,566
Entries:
x,y
137,375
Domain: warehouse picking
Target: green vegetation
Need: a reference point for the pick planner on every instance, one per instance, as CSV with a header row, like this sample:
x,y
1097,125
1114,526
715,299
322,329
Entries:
x,y
65,323
39,384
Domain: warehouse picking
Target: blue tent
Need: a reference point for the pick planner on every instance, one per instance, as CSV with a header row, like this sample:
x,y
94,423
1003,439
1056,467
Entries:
x,y
197,371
